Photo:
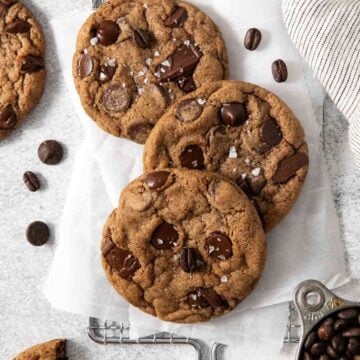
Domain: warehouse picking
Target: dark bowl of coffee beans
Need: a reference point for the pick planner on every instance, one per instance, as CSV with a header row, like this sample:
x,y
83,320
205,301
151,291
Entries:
x,y
330,324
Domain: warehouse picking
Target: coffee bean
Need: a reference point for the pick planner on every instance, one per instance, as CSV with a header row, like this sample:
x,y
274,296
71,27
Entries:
x,y
85,65
31,181
164,237
122,261
177,18
288,167
197,300
331,352
212,297
117,98
328,321
37,233
252,39
348,314
190,260
233,114
31,64
192,158
106,73
186,84
352,332
338,343
107,32
142,38
354,346
50,152
18,27
8,118
181,63
156,179
343,358
325,332
318,349
279,70
219,246
341,325
310,340
189,110
271,133
307,356
324,357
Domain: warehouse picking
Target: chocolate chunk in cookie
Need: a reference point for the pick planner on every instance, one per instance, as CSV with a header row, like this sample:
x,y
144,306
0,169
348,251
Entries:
x,y
51,350
18,26
8,118
31,64
241,131
159,257
169,44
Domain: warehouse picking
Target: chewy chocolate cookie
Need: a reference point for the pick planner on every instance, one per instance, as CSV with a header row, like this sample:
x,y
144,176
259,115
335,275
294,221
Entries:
x,y
183,245
241,131
134,58
51,350
22,74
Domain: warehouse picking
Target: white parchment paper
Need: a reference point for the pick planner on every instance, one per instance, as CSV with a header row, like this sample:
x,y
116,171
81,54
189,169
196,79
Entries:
x,y
306,244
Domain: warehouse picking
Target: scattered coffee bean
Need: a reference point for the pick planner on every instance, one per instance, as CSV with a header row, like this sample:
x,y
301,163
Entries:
x,y
252,39
18,27
85,65
37,233
164,237
233,114
348,314
31,181
340,325
156,179
31,64
8,118
219,246
192,158
50,152
142,38
279,70
107,32
177,18
189,110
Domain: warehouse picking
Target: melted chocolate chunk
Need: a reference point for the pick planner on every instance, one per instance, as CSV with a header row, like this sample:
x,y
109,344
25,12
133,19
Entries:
x,y
189,110
117,98
233,114
192,158
271,133
107,32
289,166
106,73
219,246
164,237
85,65
177,18
191,260
31,64
156,179
18,27
8,118
205,297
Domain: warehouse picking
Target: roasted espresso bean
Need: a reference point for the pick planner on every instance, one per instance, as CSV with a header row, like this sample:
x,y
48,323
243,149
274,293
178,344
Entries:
x,y
341,325
338,343
348,314
279,71
352,332
354,346
310,340
31,181
252,39
318,349
188,260
307,356
324,357
325,332
331,352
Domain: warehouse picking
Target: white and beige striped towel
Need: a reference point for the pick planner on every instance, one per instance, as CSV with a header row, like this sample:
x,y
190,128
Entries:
x,y
327,35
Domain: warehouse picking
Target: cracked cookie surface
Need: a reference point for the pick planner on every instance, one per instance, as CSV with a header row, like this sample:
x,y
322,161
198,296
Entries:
x,y
51,350
134,58
241,131
183,245
22,74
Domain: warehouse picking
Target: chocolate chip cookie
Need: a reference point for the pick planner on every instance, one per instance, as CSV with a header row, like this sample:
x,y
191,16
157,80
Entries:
x,y
51,350
22,74
241,131
134,58
183,245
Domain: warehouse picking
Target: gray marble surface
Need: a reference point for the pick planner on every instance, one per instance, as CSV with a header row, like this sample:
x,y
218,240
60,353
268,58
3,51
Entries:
x,y
25,316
